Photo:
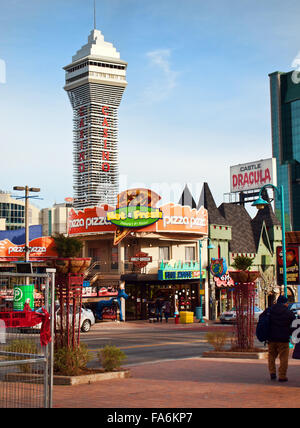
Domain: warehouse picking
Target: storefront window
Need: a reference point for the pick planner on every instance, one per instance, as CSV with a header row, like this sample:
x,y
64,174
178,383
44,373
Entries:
x,y
164,253
114,258
189,253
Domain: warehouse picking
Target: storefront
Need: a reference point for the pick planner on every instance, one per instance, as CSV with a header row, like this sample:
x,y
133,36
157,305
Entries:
x,y
224,287
118,239
145,289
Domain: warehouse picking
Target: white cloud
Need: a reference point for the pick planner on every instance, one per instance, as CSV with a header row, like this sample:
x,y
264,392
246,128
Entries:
x,y
165,80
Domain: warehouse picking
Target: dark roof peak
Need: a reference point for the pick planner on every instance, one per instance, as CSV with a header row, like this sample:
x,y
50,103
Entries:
x,y
187,198
207,201
240,221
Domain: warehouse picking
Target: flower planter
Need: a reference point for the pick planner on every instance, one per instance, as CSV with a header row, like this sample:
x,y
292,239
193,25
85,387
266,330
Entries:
x,y
71,265
95,376
244,276
256,355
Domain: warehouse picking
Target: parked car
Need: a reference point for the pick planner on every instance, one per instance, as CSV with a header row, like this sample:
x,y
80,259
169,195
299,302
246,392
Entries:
x,y
295,307
87,319
230,316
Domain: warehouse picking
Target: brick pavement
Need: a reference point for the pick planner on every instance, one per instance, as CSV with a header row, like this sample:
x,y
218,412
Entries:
x,y
188,383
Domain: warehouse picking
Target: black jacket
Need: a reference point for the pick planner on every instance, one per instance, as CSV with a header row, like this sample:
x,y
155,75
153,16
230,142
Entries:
x,y
281,319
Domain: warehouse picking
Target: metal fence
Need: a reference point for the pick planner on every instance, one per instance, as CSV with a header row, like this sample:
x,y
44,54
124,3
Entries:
x,y
26,367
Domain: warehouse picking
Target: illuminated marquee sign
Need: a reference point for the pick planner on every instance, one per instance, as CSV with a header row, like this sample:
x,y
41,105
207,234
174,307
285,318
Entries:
x,y
179,270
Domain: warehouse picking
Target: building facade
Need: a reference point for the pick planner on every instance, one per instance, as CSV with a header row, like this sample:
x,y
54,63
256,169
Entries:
x,y
55,219
12,212
233,232
95,82
285,119
169,244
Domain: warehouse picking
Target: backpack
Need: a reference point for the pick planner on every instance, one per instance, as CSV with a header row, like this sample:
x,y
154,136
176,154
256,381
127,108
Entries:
x,y
263,326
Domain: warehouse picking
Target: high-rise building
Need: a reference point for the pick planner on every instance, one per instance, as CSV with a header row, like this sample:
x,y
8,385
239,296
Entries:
x,y
12,212
95,82
285,117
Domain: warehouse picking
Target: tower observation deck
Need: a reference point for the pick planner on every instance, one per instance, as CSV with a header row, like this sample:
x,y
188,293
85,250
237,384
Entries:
x,y
95,82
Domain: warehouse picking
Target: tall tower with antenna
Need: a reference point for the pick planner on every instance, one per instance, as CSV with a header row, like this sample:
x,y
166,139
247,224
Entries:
x,y
95,82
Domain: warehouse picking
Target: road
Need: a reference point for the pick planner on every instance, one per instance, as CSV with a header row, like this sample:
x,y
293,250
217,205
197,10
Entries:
x,y
149,343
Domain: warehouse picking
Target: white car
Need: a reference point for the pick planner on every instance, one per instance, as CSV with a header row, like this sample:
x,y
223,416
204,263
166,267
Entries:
x,y
230,316
87,318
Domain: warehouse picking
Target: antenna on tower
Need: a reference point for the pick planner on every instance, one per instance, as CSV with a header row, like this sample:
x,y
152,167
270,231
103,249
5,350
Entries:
x,y
94,14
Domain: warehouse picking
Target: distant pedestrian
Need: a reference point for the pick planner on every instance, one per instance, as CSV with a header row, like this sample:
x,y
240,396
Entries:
x,y
280,330
167,309
151,311
158,309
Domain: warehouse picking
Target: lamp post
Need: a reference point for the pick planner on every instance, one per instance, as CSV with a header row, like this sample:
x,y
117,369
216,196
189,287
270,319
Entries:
x,y
260,203
209,247
26,197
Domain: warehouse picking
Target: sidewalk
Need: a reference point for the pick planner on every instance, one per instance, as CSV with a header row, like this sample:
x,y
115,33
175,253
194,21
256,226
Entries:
x,y
187,383
142,324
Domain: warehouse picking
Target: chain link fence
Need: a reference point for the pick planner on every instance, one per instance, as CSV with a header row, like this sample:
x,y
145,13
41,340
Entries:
x,y
26,357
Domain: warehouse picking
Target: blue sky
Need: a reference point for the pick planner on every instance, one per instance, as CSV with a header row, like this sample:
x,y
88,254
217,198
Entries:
x,y
197,99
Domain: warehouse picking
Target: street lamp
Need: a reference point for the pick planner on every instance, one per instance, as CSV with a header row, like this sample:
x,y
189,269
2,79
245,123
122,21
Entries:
x,y
260,203
26,197
209,247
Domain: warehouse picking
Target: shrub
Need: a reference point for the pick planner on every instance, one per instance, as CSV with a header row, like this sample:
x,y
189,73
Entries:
x,y
242,263
71,362
22,347
216,339
111,357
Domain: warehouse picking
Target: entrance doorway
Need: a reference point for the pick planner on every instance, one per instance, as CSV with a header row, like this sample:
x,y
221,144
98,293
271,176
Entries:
x,y
182,295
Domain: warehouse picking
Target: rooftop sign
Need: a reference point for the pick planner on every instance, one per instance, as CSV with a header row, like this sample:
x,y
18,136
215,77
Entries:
x,y
253,175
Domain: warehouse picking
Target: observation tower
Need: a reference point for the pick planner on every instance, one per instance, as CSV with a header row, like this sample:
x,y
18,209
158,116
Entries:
x,y
95,82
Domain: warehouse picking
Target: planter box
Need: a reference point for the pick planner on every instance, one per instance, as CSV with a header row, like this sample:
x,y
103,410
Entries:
x,y
68,380
76,265
244,276
233,354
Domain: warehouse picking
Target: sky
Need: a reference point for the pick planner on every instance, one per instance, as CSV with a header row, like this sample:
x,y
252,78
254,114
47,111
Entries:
x,y
197,100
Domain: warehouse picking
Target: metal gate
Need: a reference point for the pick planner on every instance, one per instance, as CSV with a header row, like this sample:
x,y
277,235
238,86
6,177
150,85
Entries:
x,y
26,367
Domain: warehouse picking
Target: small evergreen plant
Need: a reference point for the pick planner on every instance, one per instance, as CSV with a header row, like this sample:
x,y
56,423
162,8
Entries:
x,y
71,361
217,339
242,263
111,357
67,246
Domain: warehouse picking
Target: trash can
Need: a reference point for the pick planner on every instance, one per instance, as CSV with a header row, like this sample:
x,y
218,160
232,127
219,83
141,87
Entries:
x,y
186,317
198,312
176,318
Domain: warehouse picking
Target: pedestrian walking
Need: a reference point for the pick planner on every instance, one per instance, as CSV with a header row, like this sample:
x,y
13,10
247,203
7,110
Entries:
x,y
280,331
167,309
158,309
